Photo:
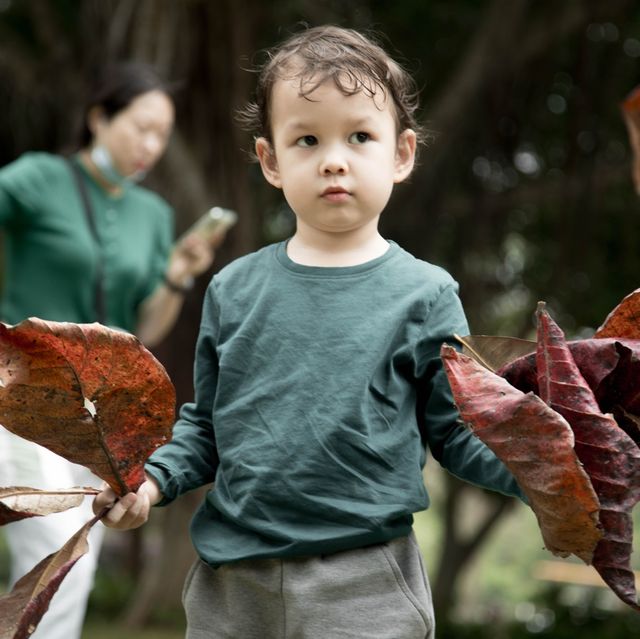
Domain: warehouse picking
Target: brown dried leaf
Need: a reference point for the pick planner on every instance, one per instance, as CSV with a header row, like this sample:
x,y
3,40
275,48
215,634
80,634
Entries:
x,y
624,319
19,502
493,352
94,395
22,609
610,457
536,445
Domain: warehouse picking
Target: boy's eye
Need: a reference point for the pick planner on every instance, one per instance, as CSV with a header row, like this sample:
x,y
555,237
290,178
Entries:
x,y
359,138
307,140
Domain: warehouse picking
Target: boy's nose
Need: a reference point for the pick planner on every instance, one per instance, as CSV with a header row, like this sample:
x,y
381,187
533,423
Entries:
x,y
333,163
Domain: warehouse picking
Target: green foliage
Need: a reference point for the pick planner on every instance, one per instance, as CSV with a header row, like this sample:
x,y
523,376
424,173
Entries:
x,y
550,615
4,561
111,592
114,590
533,197
525,193
500,596
108,630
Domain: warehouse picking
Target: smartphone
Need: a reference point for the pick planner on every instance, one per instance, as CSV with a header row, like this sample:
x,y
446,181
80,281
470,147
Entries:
x,y
214,221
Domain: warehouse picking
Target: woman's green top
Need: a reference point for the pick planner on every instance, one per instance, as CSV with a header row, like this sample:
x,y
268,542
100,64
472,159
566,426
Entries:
x,y
51,257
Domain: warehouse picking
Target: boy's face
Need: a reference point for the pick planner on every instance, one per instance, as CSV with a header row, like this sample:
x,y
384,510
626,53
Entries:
x,y
336,157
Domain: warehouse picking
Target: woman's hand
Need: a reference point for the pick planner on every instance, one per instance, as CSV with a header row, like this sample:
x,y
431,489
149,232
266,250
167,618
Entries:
x,y
130,511
192,255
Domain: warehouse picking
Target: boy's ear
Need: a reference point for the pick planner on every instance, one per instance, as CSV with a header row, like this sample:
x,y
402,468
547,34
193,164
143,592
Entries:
x,y
405,155
268,162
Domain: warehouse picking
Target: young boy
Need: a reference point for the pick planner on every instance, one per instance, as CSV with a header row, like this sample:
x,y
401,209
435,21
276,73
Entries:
x,y
318,381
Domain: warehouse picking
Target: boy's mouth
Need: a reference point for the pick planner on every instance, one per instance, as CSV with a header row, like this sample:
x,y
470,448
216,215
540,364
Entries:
x,y
335,194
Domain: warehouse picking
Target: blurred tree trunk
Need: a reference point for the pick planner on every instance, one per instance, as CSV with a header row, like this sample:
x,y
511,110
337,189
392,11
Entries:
x,y
197,172
459,544
165,564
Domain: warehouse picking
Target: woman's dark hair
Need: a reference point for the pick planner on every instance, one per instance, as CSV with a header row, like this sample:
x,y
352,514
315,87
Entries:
x,y
116,87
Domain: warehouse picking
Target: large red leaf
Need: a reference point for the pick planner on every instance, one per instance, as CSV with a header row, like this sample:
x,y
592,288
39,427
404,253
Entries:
x,y
617,389
610,367
596,359
618,386
610,457
536,445
20,502
94,395
22,609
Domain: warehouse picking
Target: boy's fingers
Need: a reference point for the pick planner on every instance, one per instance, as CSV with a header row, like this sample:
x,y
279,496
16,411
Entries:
x,y
138,513
120,508
130,511
103,500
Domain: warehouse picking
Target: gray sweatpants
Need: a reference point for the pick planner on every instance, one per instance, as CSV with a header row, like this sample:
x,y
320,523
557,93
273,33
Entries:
x,y
377,592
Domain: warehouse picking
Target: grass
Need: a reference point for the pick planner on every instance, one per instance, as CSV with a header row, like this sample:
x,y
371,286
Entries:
x,y
94,629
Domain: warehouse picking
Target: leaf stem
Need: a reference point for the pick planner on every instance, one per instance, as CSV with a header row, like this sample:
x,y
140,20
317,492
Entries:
x,y
20,491
474,352
102,513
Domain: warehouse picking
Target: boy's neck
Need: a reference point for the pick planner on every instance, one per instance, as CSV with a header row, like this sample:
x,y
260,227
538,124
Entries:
x,y
335,249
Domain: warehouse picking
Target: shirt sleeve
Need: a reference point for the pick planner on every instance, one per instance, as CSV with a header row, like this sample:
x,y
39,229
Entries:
x,y
19,180
6,204
451,443
190,459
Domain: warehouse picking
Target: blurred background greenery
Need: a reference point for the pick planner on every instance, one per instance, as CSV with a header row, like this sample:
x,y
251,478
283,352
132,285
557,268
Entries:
x,y
524,193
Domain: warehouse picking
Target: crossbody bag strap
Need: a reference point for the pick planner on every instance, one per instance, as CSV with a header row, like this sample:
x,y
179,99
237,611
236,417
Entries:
x,y
99,298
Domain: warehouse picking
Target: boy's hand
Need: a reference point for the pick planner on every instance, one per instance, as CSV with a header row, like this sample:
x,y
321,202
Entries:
x,y
130,511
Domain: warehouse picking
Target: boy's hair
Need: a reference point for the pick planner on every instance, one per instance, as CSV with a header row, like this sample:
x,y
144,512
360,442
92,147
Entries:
x,y
353,61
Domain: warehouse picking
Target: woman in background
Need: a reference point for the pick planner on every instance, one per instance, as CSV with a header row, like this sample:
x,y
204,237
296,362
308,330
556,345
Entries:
x,y
84,242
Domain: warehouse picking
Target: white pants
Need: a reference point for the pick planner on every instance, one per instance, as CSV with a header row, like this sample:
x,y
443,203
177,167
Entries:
x,y
23,463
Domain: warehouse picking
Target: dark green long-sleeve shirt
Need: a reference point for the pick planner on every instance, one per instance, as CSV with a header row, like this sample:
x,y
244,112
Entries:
x,y
317,391
51,256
